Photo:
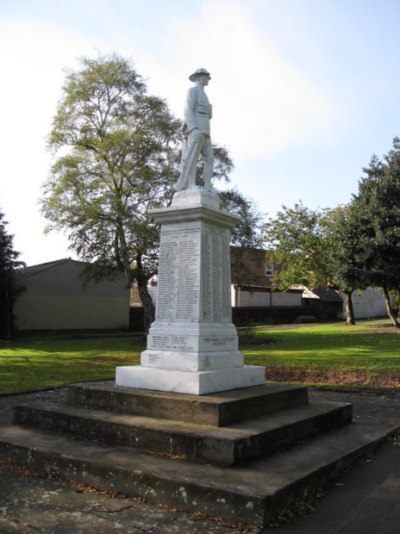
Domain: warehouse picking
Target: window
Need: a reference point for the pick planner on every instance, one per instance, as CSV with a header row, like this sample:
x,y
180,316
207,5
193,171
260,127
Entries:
x,y
269,270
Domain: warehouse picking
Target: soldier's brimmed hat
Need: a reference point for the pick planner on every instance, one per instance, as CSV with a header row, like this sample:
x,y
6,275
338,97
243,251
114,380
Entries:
x,y
199,72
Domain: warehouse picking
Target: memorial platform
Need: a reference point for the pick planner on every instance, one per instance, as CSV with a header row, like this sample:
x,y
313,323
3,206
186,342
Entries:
x,y
241,455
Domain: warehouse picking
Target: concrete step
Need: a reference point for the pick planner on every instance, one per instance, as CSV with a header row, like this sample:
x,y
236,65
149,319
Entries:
x,y
250,494
199,443
218,409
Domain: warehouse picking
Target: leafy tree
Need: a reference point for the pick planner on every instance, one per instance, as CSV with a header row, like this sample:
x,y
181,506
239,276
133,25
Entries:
x,y
376,210
8,282
346,269
294,240
308,245
249,231
117,150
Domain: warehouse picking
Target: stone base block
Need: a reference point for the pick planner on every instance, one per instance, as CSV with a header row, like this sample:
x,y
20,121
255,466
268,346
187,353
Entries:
x,y
227,446
217,409
196,383
195,196
191,361
192,337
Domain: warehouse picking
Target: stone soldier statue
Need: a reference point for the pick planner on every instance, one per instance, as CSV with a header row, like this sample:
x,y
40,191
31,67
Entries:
x,y
196,131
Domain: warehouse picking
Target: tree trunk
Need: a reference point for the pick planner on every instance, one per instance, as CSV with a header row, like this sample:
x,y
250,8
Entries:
x,y
148,307
350,319
389,308
142,279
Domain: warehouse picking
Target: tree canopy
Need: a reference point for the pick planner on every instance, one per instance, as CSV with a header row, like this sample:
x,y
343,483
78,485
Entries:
x,y
249,231
375,211
295,240
117,152
348,248
313,248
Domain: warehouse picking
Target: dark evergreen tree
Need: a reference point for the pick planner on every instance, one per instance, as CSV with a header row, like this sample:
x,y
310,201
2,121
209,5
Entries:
x,y
8,280
375,211
345,265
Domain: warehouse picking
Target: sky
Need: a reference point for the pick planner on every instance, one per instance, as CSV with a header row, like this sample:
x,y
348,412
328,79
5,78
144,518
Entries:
x,y
304,92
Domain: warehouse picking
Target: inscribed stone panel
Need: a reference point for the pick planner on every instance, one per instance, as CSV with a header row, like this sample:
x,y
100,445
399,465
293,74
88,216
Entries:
x,y
179,275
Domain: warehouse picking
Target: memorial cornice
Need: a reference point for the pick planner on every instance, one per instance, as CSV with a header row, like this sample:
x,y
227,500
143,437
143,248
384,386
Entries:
x,y
194,213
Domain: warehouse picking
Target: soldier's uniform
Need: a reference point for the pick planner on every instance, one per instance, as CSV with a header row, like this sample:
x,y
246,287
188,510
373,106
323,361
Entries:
x,y
197,141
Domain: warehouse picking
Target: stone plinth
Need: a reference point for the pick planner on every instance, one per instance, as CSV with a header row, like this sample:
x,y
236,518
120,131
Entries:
x,y
192,346
217,409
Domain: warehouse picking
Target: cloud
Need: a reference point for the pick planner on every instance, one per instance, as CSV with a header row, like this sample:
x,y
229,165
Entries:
x,y
32,63
33,73
262,104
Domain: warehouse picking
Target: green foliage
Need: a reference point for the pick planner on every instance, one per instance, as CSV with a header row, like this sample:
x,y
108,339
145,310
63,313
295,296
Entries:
x,y
347,248
248,232
304,244
375,219
342,230
377,209
315,248
117,154
117,151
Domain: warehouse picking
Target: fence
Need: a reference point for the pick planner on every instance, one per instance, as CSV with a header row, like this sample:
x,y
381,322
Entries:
x,y
264,315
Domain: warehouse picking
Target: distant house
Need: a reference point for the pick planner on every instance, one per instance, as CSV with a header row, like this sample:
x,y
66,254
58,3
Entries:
x,y
252,281
251,286
56,298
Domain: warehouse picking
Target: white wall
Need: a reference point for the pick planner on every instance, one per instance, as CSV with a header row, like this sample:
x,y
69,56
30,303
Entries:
x,y
263,298
370,303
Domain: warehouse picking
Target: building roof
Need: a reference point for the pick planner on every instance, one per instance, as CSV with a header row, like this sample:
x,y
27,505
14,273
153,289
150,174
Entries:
x,y
307,293
248,267
41,267
328,295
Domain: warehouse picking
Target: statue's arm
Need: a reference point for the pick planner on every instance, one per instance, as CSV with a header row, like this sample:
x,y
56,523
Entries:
x,y
190,117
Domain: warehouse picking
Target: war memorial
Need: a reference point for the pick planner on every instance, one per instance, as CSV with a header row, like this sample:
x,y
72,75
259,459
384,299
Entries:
x,y
192,427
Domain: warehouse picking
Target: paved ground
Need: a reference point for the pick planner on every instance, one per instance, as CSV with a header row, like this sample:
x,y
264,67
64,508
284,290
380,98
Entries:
x,y
363,500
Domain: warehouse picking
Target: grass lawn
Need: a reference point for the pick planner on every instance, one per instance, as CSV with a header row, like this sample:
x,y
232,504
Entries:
x,y
369,345
366,354
28,364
